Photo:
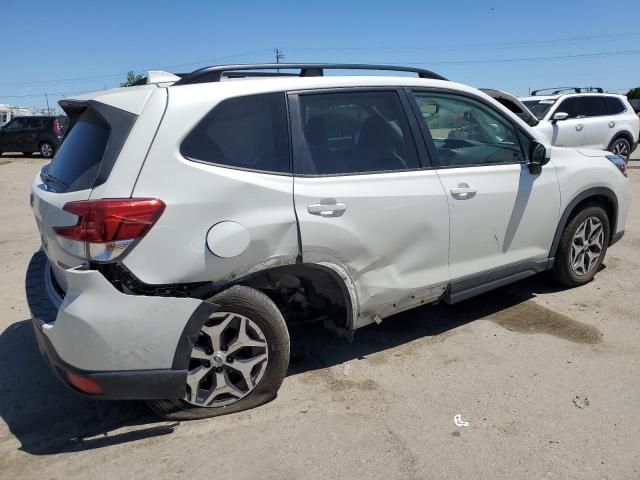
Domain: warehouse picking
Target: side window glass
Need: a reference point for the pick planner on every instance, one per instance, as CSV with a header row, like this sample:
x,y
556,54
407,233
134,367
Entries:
x,y
353,132
613,105
466,132
245,132
594,106
571,106
17,123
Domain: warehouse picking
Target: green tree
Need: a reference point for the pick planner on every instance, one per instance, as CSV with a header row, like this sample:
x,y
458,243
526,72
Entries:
x,y
633,93
131,79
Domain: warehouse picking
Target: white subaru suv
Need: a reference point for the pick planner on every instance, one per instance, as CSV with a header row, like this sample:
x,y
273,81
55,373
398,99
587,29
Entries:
x,y
187,223
590,118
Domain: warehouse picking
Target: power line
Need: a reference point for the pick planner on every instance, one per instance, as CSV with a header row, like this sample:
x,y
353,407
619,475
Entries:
x,y
496,45
121,74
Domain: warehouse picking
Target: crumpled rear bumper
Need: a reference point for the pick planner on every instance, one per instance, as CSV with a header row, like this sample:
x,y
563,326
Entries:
x,y
132,346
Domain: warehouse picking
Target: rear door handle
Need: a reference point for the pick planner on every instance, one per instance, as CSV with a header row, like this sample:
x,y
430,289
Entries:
x,y
327,209
612,124
579,127
463,192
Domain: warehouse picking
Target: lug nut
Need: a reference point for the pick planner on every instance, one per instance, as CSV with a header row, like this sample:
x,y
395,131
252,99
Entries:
x,y
219,369
206,364
230,359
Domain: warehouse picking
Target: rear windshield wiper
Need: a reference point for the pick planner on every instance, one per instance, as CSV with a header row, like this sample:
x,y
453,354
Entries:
x,y
50,178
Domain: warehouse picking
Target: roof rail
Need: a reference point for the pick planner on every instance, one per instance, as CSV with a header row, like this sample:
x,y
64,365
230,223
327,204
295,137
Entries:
x,y
215,73
557,90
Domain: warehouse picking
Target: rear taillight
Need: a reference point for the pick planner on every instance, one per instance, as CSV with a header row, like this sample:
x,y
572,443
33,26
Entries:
x,y
107,227
56,128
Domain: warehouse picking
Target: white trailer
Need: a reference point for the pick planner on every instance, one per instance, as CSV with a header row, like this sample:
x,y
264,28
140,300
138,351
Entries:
x,y
7,112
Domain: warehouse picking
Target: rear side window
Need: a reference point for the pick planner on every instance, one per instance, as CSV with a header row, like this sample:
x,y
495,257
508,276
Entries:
x,y
246,132
614,105
354,132
37,123
594,106
571,106
78,161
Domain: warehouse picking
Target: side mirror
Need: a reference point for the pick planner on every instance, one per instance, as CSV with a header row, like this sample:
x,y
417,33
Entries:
x,y
537,157
559,116
429,108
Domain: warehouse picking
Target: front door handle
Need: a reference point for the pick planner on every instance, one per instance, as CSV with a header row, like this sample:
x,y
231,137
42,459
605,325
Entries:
x,y
463,192
579,127
612,124
327,209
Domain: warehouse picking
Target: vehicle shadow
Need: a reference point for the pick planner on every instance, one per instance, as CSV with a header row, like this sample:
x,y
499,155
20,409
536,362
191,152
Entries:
x,y
48,418
314,347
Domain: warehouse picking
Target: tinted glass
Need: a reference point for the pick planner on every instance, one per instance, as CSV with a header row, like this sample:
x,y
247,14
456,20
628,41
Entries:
x,y
36,123
77,163
572,106
20,122
245,132
466,132
613,105
593,106
354,132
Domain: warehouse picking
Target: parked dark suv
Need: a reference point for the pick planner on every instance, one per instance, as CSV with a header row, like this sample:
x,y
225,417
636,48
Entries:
x,y
33,134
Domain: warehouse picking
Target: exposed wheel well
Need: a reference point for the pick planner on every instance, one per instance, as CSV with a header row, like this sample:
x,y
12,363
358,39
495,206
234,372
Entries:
x,y
306,293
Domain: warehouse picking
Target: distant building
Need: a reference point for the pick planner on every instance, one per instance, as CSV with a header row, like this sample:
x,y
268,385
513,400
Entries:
x,y
7,112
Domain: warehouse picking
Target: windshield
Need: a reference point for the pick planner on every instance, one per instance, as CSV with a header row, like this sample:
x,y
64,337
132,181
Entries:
x,y
539,107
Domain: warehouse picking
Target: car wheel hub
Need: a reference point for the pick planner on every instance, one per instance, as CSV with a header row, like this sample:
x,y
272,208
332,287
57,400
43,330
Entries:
x,y
587,245
621,148
227,362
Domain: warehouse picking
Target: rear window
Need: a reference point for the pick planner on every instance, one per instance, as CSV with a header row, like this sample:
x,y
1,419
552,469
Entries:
x,y
246,132
614,105
77,163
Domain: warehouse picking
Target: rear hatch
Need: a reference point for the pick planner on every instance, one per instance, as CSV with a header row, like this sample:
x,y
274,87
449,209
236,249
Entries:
x,y
94,138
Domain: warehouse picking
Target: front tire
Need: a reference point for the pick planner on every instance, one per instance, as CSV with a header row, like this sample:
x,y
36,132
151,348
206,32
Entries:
x,y
238,361
582,247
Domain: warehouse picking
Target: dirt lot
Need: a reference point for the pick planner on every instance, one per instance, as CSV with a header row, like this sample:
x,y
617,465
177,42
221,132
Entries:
x,y
548,380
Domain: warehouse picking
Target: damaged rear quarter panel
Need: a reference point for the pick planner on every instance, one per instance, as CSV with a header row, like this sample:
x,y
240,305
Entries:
x,y
199,196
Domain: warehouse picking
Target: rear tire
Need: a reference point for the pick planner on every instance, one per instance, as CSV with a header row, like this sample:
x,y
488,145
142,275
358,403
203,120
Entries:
x,y
46,150
620,146
257,310
582,247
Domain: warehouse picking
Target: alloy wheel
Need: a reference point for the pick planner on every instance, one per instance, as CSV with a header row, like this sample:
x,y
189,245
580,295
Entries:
x,y
621,148
587,245
46,150
227,362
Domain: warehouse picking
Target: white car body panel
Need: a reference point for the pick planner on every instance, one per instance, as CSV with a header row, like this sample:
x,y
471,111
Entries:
x,y
392,238
512,217
101,329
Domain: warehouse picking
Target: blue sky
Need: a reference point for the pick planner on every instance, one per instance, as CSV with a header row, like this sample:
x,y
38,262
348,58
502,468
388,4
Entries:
x,y
76,46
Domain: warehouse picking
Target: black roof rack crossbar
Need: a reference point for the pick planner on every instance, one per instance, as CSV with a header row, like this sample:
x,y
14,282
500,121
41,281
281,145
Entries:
x,y
556,90
215,73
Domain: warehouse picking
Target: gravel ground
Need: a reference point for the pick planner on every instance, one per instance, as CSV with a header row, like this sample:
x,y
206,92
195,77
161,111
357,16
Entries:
x,y
547,379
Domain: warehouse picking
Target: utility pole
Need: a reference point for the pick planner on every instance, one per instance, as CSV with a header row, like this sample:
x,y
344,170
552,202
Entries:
x,y
47,98
279,56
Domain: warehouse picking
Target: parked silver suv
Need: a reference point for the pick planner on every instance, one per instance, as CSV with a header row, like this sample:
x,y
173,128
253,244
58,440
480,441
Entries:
x,y
188,222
